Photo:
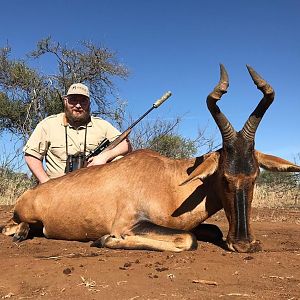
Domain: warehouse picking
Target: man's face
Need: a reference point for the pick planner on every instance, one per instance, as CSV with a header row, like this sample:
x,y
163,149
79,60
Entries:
x,y
77,109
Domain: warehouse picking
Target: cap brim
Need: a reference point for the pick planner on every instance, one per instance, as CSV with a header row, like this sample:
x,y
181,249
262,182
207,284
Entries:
x,y
75,94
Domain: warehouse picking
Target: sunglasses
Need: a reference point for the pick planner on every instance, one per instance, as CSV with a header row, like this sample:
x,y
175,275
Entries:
x,y
82,100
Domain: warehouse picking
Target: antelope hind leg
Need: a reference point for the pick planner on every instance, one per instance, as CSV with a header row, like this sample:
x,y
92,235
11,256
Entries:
x,y
10,228
19,231
148,236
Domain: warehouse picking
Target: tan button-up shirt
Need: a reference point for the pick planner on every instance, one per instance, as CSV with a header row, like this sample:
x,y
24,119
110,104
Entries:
x,y
49,140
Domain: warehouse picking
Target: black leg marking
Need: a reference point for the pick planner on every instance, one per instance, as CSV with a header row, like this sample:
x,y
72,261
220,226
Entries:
x,y
21,233
209,233
100,243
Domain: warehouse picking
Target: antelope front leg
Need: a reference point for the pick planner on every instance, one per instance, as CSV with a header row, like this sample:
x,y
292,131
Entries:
x,y
148,236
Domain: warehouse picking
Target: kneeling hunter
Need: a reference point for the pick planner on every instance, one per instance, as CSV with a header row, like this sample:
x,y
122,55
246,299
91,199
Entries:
x,y
70,136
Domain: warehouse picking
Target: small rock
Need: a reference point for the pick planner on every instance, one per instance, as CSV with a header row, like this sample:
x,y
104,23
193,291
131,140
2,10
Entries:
x,y
127,265
248,257
67,271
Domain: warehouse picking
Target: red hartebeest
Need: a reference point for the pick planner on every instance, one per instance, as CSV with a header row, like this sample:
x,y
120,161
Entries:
x,y
148,201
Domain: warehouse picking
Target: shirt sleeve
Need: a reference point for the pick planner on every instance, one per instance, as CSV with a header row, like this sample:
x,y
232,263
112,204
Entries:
x,y
37,144
111,132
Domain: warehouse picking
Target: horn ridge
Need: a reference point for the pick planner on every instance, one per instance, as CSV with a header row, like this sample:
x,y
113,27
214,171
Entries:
x,y
249,128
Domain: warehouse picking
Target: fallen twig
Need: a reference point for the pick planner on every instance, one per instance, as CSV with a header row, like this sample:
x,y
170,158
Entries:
x,y
236,294
202,281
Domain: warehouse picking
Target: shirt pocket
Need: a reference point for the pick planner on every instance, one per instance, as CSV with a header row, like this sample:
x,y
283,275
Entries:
x,y
59,150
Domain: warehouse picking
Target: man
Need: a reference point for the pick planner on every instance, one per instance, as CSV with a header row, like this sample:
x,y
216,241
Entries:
x,y
69,133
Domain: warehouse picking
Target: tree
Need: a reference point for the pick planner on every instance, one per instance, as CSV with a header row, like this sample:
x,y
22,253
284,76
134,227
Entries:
x,y
27,96
174,146
162,136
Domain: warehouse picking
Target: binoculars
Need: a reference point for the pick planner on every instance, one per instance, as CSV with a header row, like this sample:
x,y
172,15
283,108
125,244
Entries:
x,y
75,162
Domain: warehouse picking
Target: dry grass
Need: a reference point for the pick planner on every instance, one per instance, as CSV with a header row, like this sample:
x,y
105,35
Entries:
x,y
12,185
265,197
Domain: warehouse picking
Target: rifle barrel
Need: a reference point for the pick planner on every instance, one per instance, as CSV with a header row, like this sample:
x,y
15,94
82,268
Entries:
x,y
155,105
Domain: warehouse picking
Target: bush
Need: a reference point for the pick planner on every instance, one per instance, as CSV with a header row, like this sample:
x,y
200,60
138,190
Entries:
x,y
12,185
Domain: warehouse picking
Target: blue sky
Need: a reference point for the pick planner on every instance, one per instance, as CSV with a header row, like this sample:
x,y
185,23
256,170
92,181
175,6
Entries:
x,y
177,46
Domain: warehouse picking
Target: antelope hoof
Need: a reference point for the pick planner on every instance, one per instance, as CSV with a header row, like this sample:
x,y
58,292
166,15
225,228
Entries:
x,y
21,232
100,243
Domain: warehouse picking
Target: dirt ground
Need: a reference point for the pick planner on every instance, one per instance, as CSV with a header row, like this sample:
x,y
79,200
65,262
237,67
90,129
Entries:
x,y
50,269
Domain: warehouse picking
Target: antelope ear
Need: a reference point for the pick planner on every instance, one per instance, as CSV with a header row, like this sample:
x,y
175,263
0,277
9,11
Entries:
x,y
205,169
274,163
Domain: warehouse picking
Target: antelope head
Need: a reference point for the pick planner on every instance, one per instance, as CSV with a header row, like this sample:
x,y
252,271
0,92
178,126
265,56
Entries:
x,y
235,167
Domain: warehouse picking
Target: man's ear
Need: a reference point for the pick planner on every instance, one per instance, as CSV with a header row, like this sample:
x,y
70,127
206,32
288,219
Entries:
x,y
273,163
205,169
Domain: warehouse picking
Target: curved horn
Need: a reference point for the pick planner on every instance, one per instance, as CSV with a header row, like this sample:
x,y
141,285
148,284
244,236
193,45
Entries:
x,y
253,121
224,125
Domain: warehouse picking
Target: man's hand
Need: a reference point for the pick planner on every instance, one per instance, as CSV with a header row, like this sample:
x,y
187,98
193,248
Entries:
x,y
99,159
108,155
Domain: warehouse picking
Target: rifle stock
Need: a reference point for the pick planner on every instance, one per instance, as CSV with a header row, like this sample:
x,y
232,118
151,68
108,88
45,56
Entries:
x,y
118,140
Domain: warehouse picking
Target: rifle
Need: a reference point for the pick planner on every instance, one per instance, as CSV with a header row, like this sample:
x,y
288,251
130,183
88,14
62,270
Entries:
x,y
107,145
